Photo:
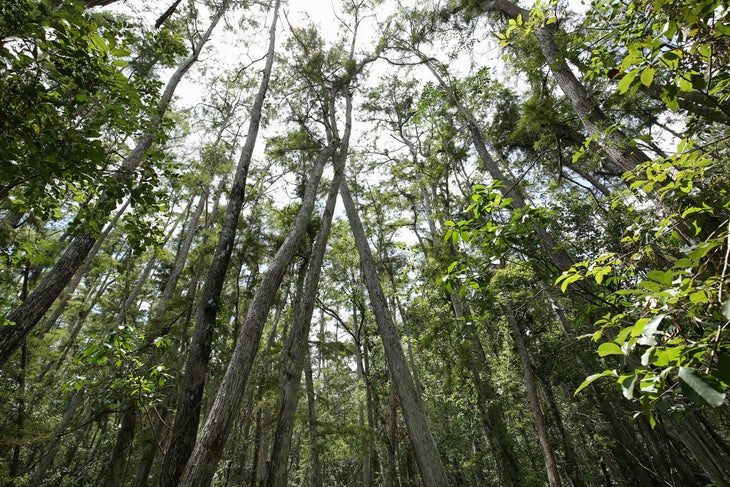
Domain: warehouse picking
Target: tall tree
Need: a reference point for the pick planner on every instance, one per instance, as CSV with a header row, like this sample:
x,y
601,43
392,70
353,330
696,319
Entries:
x,y
31,310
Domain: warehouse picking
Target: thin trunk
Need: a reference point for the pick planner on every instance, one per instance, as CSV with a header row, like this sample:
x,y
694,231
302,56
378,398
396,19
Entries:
x,y
492,415
134,293
546,446
414,410
187,418
114,475
29,313
153,440
82,270
572,469
293,354
48,457
509,189
390,477
312,412
15,465
213,435
618,147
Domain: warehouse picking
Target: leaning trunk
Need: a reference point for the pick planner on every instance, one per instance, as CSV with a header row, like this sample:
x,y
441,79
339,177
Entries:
x,y
26,316
618,147
546,446
296,345
414,410
186,422
213,435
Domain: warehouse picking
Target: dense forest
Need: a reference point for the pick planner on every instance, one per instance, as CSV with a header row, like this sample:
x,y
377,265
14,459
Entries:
x,y
364,242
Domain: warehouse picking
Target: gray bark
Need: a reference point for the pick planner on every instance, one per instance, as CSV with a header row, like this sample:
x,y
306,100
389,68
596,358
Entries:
x,y
204,459
185,425
414,410
312,412
622,156
48,457
293,354
545,445
27,315
114,475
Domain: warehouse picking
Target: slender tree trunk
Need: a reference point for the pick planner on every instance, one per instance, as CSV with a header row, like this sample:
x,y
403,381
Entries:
x,y
572,469
490,407
622,155
31,310
547,449
82,270
114,475
509,189
293,354
414,411
15,464
390,477
312,412
213,435
48,457
187,418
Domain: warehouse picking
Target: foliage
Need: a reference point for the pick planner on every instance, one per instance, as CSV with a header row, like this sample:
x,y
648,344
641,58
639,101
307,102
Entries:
x,y
670,303
681,46
62,93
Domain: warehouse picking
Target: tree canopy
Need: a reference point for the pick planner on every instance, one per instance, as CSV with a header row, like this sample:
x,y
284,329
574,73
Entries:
x,y
364,242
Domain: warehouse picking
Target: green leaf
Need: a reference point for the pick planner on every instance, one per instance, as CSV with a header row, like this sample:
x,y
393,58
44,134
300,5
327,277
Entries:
x,y
698,297
723,368
647,76
592,378
661,277
661,357
609,348
650,329
700,387
567,280
625,83
627,382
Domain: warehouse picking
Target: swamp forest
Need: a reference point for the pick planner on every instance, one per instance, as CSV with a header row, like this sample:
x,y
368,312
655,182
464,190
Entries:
x,y
364,242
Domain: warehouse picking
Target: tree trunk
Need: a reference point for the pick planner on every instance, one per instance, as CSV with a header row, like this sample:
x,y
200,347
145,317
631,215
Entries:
x,y
547,450
81,271
31,310
572,469
294,352
47,458
114,475
414,411
213,435
490,407
622,155
185,425
312,412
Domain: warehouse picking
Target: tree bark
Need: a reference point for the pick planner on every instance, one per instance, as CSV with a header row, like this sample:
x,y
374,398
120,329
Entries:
x,y
312,412
27,315
490,407
414,411
49,456
213,435
114,475
185,425
618,148
545,445
294,352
